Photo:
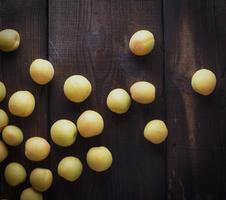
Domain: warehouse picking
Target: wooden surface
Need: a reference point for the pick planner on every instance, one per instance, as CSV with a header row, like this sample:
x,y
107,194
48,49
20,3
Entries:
x,y
90,37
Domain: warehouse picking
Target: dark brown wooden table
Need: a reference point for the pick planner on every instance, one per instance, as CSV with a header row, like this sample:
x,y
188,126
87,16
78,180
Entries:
x,y
90,37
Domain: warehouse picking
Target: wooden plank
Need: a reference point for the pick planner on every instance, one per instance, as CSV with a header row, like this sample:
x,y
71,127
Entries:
x,y
29,18
91,38
196,150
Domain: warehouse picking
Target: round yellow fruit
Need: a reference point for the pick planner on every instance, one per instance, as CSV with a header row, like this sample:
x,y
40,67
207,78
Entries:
x,y
63,132
204,82
143,92
15,174
4,120
31,194
77,88
70,168
155,131
3,151
2,91
12,135
41,71
99,158
118,101
41,179
90,123
9,40
21,103
37,149
142,42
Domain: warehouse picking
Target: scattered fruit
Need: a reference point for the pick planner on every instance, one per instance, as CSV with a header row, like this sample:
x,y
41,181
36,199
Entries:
x,y
4,120
155,131
41,179
31,194
77,88
99,158
90,123
142,42
118,101
63,132
2,91
15,174
203,82
21,103
12,135
37,149
143,92
3,151
9,40
41,71
70,168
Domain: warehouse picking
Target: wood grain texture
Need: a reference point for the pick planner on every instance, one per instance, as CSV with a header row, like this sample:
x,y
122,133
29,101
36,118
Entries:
x,y
196,150
29,18
91,38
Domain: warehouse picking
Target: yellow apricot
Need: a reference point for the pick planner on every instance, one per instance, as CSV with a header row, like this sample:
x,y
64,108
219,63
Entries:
x,y
21,103
3,151
2,91
142,42
4,120
31,194
12,135
99,158
90,123
155,131
9,40
77,88
204,82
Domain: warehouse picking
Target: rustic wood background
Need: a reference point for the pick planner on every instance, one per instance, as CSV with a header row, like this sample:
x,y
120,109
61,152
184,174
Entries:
x,y
90,37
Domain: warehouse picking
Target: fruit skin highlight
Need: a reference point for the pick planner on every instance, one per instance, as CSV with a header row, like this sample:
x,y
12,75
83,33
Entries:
x,y
63,132
41,71
70,168
90,123
143,92
2,91
99,159
31,194
155,131
4,151
37,149
204,82
12,135
41,179
142,42
4,120
21,103
15,174
9,40
118,101
77,88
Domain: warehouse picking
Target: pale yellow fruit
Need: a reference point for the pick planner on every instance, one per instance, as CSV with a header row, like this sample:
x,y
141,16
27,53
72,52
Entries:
x,y
4,120
77,88
2,91
41,71
204,82
118,101
155,131
63,132
3,151
142,42
37,149
12,135
21,103
9,40
70,168
99,158
41,179
15,174
143,92
31,194
90,123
